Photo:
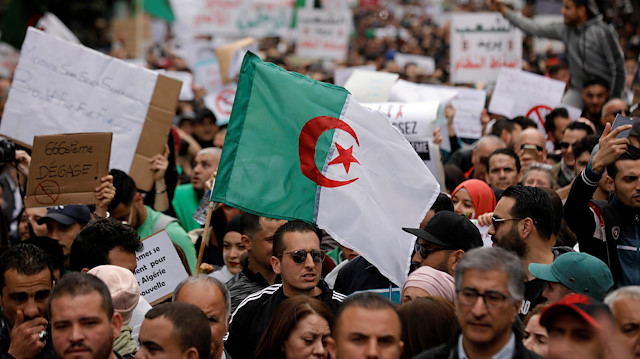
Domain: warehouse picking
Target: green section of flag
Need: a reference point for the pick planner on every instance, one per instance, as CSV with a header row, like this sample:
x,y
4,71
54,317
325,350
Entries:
x,y
20,14
260,167
160,9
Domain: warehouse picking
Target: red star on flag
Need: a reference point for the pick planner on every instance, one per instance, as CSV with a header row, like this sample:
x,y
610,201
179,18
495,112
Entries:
x,y
345,157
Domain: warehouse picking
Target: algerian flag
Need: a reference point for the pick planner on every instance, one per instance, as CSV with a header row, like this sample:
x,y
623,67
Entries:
x,y
297,148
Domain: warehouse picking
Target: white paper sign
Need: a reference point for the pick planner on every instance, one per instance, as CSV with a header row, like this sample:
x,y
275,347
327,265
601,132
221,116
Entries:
x,y
208,74
59,87
186,91
340,76
233,18
484,233
481,44
406,91
520,93
159,268
468,104
220,102
323,33
51,25
367,86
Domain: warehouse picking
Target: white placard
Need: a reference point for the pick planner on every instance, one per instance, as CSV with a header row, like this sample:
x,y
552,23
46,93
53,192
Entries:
x,y
60,87
340,76
208,74
406,91
424,63
186,91
51,25
484,233
468,104
323,33
220,102
159,268
481,44
233,18
368,86
520,93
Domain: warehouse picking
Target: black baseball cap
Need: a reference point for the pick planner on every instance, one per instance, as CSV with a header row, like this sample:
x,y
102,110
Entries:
x,y
451,230
67,215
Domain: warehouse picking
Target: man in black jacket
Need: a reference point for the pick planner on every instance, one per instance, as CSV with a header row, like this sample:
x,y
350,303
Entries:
x,y
490,287
297,258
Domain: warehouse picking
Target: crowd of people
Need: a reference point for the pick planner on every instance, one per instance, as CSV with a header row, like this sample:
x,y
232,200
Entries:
x,y
530,250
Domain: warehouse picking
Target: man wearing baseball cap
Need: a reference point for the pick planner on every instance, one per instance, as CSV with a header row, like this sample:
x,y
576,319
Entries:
x,y
444,240
573,324
574,272
64,223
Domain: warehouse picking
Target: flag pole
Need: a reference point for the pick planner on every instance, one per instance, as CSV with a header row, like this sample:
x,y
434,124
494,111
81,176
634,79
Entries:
x,y
205,235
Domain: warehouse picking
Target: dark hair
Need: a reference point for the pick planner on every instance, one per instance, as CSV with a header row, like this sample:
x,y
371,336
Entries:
x,y
556,204
366,300
53,251
285,319
453,176
596,81
504,151
205,113
26,259
190,326
575,125
291,226
92,245
632,154
442,203
75,284
535,311
554,69
125,189
549,119
426,323
585,144
525,122
532,202
502,124
250,224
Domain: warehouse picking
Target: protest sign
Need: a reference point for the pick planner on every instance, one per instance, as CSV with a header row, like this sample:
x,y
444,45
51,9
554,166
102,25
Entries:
x,y
60,87
230,57
66,169
323,33
208,74
340,76
368,86
406,91
132,32
52,25
159,268
468,104
237,18
424,63
481,44
221,102
484,233
520,93
186,91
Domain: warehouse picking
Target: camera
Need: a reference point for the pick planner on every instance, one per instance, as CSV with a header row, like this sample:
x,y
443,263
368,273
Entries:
x,y
7,151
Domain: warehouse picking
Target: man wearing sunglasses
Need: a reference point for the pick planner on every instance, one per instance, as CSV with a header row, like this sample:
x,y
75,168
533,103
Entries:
x,y
489,287
564,169
522,223
297,258
531,147
443,241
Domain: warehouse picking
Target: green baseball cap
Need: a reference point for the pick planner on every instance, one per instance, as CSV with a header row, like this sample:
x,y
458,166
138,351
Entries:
x,y
580,272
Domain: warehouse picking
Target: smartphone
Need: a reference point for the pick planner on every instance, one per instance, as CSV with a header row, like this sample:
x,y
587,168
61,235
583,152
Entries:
x,y
621,121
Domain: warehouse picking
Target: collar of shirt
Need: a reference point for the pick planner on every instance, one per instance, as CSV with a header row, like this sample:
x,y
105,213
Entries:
x,y
506,352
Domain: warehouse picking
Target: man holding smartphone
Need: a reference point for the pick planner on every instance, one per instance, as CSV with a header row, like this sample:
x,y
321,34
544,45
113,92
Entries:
x,y
609,229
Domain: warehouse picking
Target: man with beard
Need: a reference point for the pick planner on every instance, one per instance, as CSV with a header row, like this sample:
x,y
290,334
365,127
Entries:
x,y
522,223
83,321
187,196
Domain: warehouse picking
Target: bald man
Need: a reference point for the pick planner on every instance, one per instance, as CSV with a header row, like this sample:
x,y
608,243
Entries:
x,y
611,108
531,147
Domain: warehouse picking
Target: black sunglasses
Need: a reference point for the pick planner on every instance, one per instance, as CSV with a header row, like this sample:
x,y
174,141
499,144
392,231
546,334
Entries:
x,y
300,255
425,251
619,112
566,144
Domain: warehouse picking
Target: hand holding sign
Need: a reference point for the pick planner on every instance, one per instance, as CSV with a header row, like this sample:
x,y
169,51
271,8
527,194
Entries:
x,y
104,194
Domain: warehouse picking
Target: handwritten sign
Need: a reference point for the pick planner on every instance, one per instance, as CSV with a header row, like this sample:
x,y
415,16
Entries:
x,y
520,93
368,86
66,169
220,102
233,18
60,87
323,33
159,268
481,44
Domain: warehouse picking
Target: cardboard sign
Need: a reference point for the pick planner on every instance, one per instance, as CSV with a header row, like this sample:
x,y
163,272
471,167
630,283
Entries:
x,y
520,93
323,33
186,91
159,268
66,169
481,44
220,103
368,86
233,18
60,87
230,57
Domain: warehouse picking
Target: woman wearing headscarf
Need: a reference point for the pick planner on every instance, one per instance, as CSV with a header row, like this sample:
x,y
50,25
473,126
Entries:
x,y
427,281
473,198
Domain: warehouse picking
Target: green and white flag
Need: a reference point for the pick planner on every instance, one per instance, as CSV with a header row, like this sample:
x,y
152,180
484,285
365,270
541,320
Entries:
x,y
297,148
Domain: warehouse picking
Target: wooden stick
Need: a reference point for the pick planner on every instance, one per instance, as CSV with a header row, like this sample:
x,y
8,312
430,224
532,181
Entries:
x,y
205,236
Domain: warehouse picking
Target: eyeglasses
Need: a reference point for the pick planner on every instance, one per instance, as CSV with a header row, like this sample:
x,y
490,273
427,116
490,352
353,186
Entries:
x,y
300,255
528,146
619,112
425,251
566,144
492,299
498,221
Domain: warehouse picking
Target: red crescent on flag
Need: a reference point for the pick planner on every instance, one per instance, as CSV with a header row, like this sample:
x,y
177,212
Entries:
x,y
309,135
